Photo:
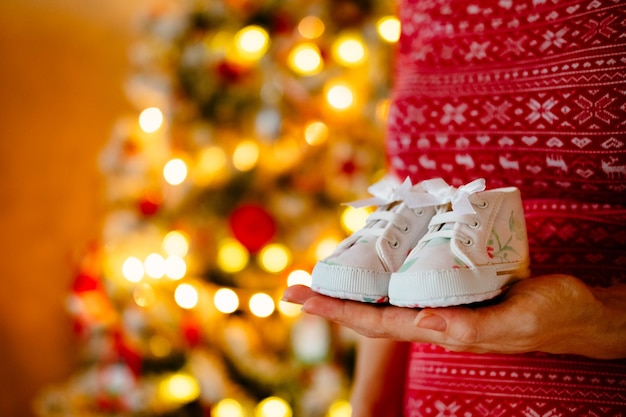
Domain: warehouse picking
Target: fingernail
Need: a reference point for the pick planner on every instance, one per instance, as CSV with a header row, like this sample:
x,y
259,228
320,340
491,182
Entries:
x,y
432,322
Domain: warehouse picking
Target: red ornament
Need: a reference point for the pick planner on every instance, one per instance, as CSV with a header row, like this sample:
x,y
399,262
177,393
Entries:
x,y
149,203
230,72
253,226
191,331
85,282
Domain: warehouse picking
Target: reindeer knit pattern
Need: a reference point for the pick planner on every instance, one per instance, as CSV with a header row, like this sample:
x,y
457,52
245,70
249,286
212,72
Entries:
x,y
530,93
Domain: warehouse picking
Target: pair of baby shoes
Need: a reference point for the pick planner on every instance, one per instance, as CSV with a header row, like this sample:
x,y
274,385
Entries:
x,y
430,245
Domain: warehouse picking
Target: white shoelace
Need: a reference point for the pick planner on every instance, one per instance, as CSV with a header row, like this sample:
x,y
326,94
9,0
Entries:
x,y
377,224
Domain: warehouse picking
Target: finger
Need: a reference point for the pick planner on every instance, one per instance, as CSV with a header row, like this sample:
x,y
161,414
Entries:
x,y
367,319
298,294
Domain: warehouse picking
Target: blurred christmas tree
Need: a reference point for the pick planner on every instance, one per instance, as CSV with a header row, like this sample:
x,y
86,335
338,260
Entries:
x,y
255,120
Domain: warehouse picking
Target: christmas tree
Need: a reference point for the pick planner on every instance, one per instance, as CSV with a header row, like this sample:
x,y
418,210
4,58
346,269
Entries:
x,y
254,121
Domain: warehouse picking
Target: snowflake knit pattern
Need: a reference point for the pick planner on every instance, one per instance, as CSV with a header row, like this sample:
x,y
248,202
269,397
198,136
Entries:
x,y
530,93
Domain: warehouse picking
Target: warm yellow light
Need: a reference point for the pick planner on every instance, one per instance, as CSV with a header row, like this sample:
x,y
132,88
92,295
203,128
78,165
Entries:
x,y
273,407
299,277
210,163
232,256
389,29
228,408
353,219
175,267
132,269
159,346
175,171
246,155
340,96
382,110
261,305
311,27
349,50
306,59
179,388
150,120
340,408
226,300
154,265
315,133
325,247
220,42
186,296
274,257
175,243
289,309
251,42
143,294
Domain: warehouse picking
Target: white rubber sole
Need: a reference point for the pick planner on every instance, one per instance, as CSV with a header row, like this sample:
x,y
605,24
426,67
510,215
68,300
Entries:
x,y
451,287
350,283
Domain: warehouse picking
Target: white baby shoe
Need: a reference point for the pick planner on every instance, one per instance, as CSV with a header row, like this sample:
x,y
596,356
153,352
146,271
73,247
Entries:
x,y
474,248
360,267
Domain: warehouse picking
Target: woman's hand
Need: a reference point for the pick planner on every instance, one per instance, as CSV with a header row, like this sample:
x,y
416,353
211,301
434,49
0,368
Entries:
x,y
552,313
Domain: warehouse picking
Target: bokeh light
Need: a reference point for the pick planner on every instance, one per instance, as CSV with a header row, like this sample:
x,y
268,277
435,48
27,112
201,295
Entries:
x,y
251,43
389,28
340,96
299,276
325,247
273,407
315,133
175,243
274,257
349,50
132,269
340,408
154,265
306,59
311,27
175,267
353,219
261,305
150,119
246,155
175,171
179,388
228,407
226,300
186,296
232,256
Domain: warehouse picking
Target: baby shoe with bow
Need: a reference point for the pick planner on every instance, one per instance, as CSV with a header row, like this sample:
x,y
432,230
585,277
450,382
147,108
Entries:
x,y
360,267
476,245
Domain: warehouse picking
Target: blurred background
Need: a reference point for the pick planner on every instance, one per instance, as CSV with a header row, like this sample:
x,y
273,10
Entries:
x,y
166,169
63,64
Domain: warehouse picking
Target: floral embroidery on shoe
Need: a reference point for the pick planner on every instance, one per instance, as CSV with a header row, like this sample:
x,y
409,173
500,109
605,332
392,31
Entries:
x,y
497,248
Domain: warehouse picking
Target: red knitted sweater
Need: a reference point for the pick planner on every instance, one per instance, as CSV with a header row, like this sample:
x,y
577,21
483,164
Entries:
x,y
530,93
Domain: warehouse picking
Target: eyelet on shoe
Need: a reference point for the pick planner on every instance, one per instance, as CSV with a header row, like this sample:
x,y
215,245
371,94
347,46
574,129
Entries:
x,y
467,242
405,229
475,224
418,212
395,244
482,204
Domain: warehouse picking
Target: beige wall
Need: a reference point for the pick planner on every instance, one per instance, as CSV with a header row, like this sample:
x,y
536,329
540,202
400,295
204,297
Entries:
x,y
62,64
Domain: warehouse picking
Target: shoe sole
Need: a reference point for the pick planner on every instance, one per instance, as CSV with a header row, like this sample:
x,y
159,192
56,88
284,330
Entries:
x,y
350,283
453,287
